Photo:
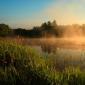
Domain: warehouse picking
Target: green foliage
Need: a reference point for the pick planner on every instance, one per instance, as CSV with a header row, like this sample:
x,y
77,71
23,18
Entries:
x,y
27,67
5,30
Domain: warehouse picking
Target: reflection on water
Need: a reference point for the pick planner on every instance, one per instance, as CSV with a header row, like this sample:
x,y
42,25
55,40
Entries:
x,y
64,57
65,51
70,57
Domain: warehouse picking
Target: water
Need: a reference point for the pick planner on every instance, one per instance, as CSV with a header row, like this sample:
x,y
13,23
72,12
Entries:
x,y
65,57
63,52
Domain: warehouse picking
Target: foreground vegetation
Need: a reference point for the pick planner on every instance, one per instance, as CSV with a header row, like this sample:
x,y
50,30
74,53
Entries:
x,y
22,65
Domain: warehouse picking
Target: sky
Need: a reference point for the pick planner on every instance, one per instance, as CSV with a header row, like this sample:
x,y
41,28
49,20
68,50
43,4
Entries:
x,y
29,13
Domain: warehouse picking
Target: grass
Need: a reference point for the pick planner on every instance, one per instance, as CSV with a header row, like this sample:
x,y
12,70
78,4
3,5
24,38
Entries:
x,y
22,65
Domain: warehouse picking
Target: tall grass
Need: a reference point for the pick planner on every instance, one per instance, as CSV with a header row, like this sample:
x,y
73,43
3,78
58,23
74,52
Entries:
x,y
22,65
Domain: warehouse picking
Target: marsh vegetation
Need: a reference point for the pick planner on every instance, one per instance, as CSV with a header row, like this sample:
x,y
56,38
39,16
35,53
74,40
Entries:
x,y
54,57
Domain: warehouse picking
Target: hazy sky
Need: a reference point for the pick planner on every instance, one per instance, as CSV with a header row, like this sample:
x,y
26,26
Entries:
x,y
28,13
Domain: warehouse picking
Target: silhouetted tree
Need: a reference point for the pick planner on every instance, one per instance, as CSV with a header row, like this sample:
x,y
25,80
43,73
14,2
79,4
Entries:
x,y
5,30
54,23
20,32
47,29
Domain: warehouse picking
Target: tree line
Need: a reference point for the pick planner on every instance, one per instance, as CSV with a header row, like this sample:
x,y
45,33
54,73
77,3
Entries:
x,y
47,29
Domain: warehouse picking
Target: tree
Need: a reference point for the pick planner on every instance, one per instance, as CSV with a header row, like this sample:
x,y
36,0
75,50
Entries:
x,y
5,30
54,23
